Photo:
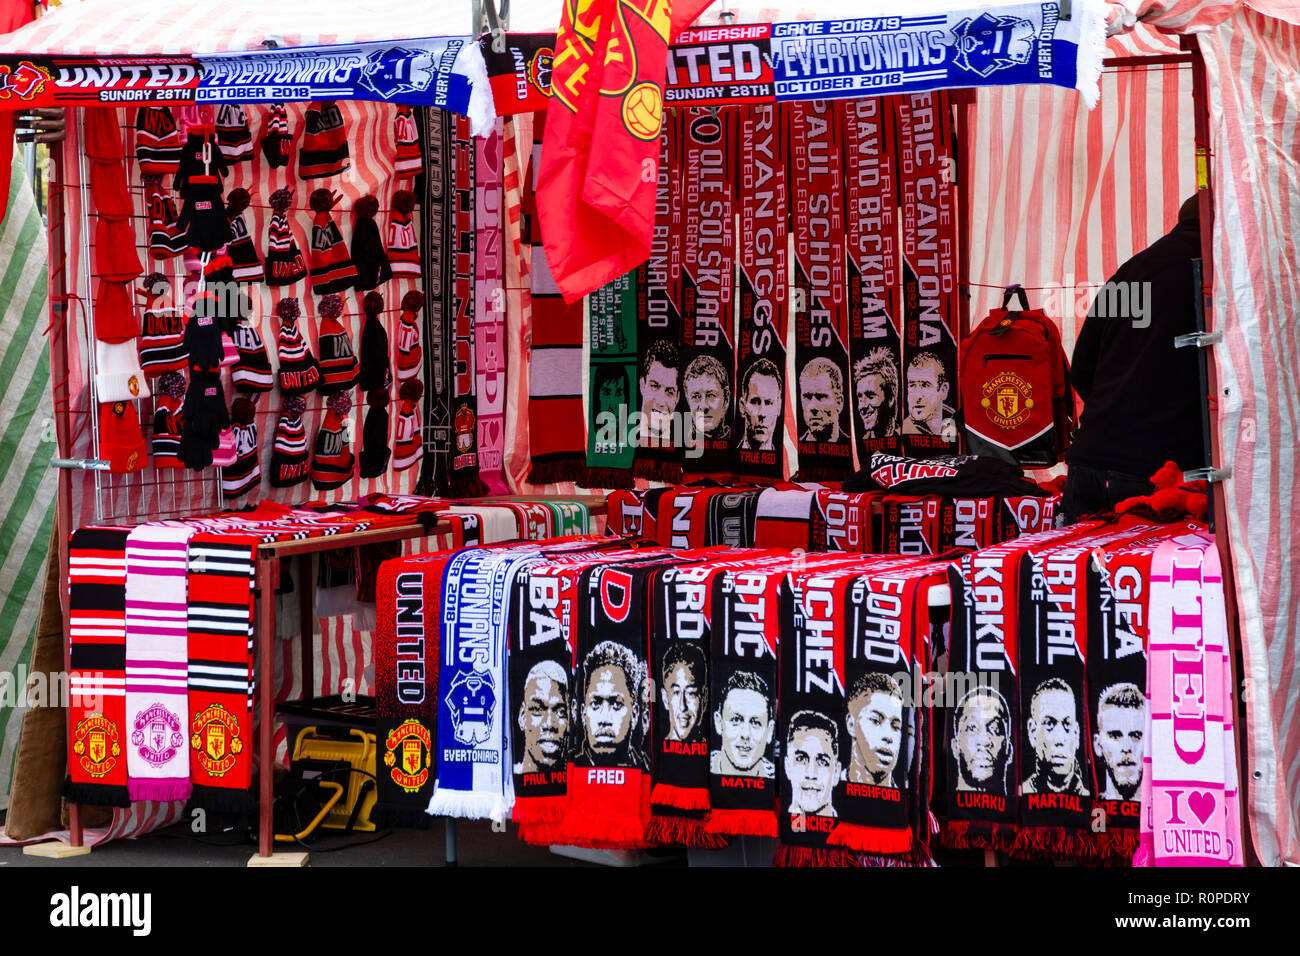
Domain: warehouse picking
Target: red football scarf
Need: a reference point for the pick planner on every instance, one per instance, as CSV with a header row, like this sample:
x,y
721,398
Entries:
x,y
909,525
930,317
783,518
841,521
708,321
465,481
659,324
967,523
730,518
490,314
634,513
874,339
97,677
554,356
820,307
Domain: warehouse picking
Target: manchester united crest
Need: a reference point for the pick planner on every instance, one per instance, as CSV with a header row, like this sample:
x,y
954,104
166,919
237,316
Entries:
x,y
1007,400
407,755
156,734
215,740
95,743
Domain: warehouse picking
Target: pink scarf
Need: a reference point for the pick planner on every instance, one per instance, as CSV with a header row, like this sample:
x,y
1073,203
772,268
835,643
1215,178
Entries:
x,y
1190,806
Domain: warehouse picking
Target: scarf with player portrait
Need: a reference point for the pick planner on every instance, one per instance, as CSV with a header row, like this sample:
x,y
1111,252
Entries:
x,y
980,736
659,320
761,198
407,647
888,613
709,154
612,378
927,200
473,745
873,258
1056,784
820,305
438,261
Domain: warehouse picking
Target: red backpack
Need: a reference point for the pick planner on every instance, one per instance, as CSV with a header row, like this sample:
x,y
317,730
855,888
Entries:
x,y
1015,387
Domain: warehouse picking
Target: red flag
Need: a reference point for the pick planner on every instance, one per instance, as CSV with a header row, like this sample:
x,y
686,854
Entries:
x,y
597,207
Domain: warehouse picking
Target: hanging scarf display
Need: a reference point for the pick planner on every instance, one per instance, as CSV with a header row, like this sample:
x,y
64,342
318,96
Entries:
x,y
708,319
437,261
97,765
473,779
980,740
762,201
157,712
407,661
220,622
611,374
820,307
659,321
490,311
875,351
555,438
927,204
465,463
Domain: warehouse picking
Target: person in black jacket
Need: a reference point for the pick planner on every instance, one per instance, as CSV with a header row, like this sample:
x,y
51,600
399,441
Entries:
x,y
1142,402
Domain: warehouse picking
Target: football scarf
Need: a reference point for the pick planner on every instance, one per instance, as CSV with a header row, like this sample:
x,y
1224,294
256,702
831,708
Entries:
x,y
683,517
821,309
968,523
222,605
1193,810
609,769
708,322
927,199
874,339
730,518
634,513
407,646
762,199
841,522
947,475
157,711
1056,775
909,525
490,313
884,657
438,261
612,394
659,322
473,781
465,480
555,435
97,766
1025,515
982,726
782,517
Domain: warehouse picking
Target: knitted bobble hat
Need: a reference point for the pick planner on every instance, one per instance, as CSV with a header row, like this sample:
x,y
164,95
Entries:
x,y
233,137
374,435
299,370
245,473
246,263
368,255
409,353
403,246
252,372
409,441
375,371
338,363
162,333
289,463
332,460
276,139
285,264
331,265
121,443
165,239
166,441
324,151
157,141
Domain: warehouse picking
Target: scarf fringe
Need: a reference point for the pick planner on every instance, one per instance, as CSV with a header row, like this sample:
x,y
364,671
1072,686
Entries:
x,y
222,800
651,469
603,831
162,791
531,811
1054,843
683,798
976,835
683,831
467,486
812,856
468,806
404,818
742,822
607,478
95,794
542,834
918,857
1117,847
870,839
558,469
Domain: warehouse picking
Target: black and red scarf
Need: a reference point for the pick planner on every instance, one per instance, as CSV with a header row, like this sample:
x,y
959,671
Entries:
x,y
927,192
659,320
634,513
875,349
731,517
465,480
762,197
437,263
821,389
909,525
708,322
842,521
969,523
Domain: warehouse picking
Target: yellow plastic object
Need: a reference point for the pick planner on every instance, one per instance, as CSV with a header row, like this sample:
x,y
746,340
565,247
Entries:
x,y
359,754
316,821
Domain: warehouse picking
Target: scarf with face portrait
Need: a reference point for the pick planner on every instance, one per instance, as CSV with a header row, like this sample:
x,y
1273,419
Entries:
x,y
761,197
929,273
980,731
820,306
611,377
885,651
874,309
